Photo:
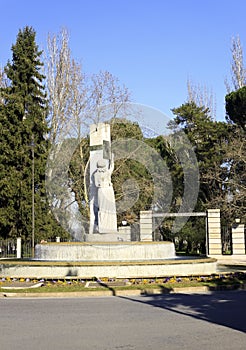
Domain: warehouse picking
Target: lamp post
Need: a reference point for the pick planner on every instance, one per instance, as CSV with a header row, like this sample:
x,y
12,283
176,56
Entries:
x,y
33,201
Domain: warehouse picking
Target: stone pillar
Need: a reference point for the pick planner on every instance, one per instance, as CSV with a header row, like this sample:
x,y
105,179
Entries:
x,y
146,225
124,233
214,243
99,148
238,239
18,248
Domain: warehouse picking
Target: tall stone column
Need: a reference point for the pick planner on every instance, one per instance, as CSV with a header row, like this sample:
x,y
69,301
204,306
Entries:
x,y
146,225
238,239
214,232
99,148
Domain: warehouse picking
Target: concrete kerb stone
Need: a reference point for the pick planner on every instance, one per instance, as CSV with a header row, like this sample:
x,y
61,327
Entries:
x,y
118,293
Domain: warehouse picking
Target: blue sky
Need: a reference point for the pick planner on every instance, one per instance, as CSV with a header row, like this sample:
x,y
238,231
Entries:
x,y
152,46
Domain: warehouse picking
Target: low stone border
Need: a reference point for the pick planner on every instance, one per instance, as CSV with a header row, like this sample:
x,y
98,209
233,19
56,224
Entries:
x,y
131,292
90,269
179,260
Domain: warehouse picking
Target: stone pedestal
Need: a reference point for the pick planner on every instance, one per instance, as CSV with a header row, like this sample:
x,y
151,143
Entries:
x,y
105,251
125,232
146,226
122,235
214,232
238,239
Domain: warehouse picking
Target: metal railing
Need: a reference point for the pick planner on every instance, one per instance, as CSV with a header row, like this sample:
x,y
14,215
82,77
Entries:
x,y
8,248
226,240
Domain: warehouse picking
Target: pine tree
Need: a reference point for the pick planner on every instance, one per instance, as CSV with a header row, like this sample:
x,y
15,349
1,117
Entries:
x,y
210,140
23,146
236,107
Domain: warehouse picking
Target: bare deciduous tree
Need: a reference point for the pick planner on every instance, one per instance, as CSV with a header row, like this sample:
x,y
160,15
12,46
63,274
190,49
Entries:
x,y
202,96
75,101
65,83
3,81
107,97
75,98
1,78
238,70
67,100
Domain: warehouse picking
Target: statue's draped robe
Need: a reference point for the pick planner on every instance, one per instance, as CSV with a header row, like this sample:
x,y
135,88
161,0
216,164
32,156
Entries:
x,y
107,220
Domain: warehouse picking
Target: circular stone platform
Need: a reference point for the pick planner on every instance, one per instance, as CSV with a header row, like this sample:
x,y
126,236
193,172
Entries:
x,y
87,270
114,260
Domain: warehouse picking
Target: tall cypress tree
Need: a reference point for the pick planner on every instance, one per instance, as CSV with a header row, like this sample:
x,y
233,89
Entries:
x,y
23,111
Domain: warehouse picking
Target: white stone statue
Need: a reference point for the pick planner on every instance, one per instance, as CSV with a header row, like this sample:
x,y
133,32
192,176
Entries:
x,y
107,219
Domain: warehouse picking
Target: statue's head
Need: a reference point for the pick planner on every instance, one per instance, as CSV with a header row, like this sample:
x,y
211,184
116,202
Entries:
x,y
102,163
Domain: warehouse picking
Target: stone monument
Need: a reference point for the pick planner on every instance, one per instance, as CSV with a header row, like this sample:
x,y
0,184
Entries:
x,y
99,150
103,218
106,250
105,206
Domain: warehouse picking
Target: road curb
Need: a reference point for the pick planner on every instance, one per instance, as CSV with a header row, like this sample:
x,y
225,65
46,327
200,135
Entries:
x,y
112,292
103,293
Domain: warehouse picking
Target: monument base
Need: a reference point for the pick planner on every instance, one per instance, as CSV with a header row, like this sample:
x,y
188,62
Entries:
x,y
109,259
105,251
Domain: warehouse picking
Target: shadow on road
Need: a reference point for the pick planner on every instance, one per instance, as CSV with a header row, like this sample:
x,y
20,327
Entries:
x,y
223,308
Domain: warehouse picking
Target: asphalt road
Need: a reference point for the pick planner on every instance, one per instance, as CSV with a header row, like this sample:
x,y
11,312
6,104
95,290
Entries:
x,y
175,322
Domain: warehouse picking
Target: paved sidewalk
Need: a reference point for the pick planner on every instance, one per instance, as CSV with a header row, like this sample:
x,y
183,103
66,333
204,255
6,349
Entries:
x,y
229,264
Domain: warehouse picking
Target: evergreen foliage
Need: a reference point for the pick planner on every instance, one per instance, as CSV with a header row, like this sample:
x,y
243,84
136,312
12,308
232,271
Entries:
x,y
23,147
209,141
220,151
236,107
219,148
